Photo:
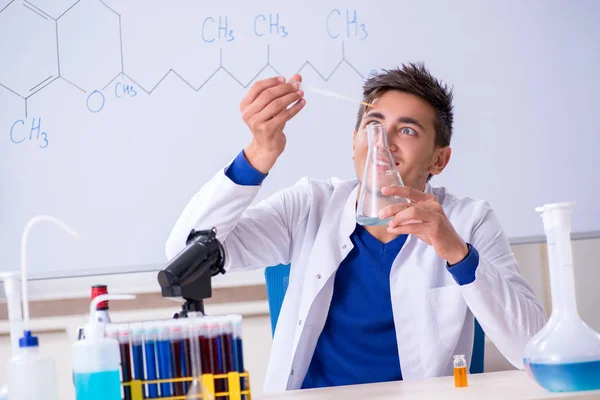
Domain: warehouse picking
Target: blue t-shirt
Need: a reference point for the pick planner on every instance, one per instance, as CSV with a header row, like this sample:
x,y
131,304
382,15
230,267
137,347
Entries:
x,y
358,343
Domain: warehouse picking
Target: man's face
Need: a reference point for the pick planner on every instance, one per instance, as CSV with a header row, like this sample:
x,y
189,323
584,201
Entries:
x,y
411,137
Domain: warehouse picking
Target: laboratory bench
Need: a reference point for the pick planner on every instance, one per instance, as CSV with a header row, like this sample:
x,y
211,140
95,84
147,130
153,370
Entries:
x,y
505,385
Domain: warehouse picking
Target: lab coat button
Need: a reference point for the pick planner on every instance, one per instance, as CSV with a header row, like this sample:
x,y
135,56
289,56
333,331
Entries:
x,y
300,322
318,276
292,373
344,247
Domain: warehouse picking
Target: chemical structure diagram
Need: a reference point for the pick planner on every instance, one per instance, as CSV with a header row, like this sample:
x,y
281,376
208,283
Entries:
x,y
25,83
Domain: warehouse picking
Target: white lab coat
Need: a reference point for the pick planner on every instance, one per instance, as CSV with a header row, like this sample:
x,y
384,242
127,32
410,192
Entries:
x,y
309,225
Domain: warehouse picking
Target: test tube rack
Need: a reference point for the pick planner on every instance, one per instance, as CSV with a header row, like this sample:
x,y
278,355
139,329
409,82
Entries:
x,y
234,379
160,359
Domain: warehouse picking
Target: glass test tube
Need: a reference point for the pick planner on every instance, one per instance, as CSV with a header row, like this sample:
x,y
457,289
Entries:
x,y
150,339
125,350
164,358
216,349
206,355
177,351
192,332
186,355
238,353
111,331
137,351
195,332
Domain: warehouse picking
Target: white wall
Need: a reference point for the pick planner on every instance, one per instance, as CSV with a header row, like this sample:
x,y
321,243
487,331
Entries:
x,y
257,331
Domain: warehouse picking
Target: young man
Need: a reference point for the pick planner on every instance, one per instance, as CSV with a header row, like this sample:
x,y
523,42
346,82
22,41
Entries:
x,y
374,303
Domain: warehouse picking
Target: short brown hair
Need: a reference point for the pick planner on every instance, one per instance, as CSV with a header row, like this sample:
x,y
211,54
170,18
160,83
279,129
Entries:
x,y
414,79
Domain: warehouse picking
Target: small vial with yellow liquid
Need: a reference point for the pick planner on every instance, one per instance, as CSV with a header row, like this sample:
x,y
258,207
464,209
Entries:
x,y
460,371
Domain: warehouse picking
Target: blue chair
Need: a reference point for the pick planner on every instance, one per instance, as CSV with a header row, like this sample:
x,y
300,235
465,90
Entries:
x,y
277,279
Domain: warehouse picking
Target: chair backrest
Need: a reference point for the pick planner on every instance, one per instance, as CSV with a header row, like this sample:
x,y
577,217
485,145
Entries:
x,y
478,355
277,279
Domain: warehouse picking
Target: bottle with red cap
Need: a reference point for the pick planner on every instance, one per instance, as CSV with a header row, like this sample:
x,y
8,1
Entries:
x,y
102,308
101,314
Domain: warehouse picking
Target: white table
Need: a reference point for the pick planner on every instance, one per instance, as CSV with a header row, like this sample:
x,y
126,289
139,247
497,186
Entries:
x,y
506,385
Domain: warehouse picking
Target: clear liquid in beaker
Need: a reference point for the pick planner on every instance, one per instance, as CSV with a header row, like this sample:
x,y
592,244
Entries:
x,y
380,171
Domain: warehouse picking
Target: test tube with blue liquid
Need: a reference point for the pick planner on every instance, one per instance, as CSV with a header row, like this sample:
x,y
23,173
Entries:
x,y
237,351
164,358
137,351
150,341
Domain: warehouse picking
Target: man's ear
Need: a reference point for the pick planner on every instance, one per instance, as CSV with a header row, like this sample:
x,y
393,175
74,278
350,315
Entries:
x,y
440,160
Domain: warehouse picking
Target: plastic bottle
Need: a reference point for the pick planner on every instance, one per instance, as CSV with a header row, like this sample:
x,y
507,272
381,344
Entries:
x,y
31,375
96,359
380,171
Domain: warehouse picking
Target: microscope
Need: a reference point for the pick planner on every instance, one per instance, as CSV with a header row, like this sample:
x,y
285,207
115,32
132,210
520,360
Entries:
x,y
189,273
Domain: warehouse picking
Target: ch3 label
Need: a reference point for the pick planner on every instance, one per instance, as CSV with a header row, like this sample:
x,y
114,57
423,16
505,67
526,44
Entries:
x,y
345,24
216,29
269,24
21,133
124,90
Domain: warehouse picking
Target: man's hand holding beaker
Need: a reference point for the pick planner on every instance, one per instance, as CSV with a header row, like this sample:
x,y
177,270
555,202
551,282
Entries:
x,y
424,218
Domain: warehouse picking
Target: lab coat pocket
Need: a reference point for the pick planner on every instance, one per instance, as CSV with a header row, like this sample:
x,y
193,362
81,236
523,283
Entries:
x,y
449,310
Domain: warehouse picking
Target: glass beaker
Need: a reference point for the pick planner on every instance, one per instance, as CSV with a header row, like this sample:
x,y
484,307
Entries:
x,y
380,171
565,354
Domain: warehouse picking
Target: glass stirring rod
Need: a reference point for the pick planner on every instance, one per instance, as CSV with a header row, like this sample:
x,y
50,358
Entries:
x,y
327,93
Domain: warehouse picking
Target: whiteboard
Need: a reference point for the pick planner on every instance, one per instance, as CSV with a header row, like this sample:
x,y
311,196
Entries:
x,y
113,114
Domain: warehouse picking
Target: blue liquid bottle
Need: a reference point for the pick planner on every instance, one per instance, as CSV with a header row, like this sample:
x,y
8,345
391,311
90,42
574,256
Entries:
x,y
564,356
96,360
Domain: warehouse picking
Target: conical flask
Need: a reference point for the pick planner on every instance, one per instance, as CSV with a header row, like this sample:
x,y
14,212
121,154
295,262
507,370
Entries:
x,y
197,389
380,171
565,354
